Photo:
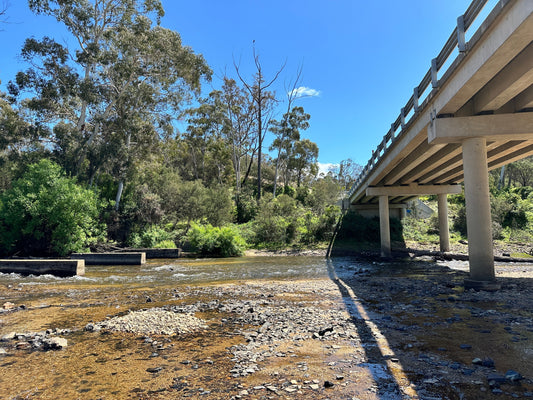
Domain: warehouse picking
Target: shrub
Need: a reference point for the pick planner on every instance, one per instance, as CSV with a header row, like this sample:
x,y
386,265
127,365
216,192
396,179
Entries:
x,y
48,213
165,244
152,237
214,241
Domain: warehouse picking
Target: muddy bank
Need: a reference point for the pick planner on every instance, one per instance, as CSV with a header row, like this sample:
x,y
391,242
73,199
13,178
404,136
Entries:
x,y
367,331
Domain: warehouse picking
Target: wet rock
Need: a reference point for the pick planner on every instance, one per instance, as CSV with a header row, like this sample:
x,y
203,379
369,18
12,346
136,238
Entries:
x,y
23,346
54,343
513,376
90,327
495,379
328,384
8,337
488,362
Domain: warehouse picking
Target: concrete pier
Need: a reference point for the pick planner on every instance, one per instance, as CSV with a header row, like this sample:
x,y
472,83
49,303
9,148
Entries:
x,y
133,258
384,226
478,219
62,268
444,230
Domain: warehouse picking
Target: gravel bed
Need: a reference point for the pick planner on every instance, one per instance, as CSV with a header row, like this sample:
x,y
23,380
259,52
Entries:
x,y
156,321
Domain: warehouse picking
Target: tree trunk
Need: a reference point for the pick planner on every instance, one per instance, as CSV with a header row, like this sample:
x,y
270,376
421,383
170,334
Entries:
x,y
260,139
122,178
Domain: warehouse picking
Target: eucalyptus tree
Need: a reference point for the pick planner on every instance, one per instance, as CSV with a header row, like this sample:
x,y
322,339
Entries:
x,y
240,126
346,172
209,154
287,132
303,159
116,90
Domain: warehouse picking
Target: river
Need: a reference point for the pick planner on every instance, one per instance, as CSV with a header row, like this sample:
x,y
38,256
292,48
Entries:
x,y
299,321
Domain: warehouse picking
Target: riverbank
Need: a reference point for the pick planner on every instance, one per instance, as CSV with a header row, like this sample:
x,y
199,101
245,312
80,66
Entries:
x,y
367,331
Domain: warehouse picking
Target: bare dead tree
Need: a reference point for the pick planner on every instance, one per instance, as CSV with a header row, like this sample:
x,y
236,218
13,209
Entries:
x,y
263,100
3,12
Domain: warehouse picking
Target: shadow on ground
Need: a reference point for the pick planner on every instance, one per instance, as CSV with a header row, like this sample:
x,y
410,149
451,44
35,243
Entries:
x,y
426,337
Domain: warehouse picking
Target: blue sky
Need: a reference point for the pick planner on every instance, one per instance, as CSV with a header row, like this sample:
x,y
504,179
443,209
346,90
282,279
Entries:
x,y
361,58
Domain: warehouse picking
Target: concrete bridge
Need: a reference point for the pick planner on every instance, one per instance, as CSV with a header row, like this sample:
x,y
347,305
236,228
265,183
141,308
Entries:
x,y
472,112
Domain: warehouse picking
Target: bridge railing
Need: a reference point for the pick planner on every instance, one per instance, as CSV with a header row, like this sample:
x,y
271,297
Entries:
x,y
415,104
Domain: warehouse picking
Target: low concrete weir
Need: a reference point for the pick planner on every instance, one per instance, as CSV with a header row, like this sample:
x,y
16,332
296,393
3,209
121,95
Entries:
x,y
62,268
133,258
156,253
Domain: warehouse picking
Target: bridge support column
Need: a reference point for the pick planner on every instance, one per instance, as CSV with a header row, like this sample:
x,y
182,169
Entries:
x,y
478,220
384,226
444,231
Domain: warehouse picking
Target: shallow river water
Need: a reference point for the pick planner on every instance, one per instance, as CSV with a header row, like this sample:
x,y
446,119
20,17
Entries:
x,y
373,330
163,272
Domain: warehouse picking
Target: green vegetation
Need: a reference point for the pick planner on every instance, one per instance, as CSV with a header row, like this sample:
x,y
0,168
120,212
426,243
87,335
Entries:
x,y
511,210
47,213
90,151
215,241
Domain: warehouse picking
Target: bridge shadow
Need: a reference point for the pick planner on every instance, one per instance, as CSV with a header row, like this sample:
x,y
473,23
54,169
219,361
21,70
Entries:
x,y
356,235
419,329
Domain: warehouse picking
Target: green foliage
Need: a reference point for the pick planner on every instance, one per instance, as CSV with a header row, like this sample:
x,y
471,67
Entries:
x,y
214,241
165,244
47,213
420,230
246,208
276,222
153,237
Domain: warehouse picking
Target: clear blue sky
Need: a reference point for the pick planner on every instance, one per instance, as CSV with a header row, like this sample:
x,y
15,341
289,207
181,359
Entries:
x,y
362,57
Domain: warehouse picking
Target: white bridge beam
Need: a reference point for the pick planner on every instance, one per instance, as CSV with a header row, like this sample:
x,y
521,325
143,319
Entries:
x,y
491,127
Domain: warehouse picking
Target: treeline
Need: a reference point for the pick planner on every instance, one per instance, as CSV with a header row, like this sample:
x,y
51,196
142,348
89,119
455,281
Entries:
x,y
109,140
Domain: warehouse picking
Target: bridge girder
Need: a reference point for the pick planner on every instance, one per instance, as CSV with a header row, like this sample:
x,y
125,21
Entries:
x,y
477,117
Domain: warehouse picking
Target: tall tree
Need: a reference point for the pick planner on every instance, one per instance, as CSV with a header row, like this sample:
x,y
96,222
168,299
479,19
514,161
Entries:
x,y
240,125
123,82
304,159
263,100
287,132
346,172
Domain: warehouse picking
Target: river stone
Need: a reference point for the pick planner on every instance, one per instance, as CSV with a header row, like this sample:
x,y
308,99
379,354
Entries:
x,y
54,343
8,336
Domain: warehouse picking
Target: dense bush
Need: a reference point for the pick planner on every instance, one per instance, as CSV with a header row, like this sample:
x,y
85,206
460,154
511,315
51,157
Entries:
x,y
48,213
153,237
277,222
214,241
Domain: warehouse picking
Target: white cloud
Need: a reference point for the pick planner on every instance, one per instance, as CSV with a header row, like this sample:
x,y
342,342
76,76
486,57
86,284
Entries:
x,y
323,168
304,91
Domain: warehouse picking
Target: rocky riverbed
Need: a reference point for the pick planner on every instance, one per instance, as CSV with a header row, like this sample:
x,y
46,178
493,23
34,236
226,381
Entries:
x,y
378,331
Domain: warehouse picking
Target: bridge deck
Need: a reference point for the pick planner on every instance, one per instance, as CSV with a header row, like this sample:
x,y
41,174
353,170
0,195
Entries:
x,y
488,82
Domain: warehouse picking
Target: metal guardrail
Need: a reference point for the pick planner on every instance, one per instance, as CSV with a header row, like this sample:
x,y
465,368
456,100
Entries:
x,y
456,39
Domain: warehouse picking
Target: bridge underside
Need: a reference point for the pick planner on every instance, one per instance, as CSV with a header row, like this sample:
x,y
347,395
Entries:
x,y
478,117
